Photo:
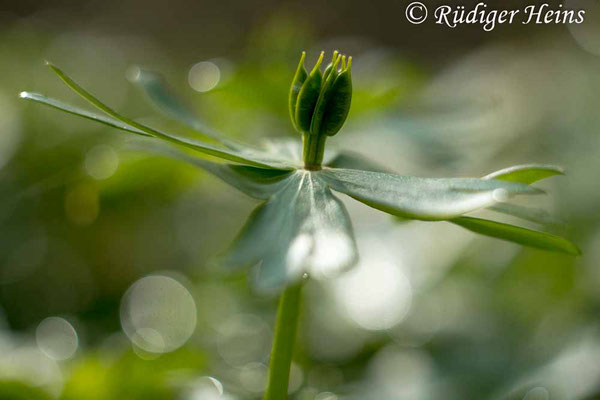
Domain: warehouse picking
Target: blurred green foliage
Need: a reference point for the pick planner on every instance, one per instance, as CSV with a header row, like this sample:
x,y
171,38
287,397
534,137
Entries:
x,y
486,319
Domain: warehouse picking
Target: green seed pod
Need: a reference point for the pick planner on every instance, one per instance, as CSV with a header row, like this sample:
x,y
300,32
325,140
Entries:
x,y
308,97
330,67
338,106
319,104
325,97
297,82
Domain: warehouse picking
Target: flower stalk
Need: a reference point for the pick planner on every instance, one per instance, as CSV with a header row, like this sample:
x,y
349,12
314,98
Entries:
x,y
313,149
283,343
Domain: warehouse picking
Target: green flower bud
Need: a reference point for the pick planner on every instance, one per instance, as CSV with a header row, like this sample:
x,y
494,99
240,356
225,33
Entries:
x,y
319,104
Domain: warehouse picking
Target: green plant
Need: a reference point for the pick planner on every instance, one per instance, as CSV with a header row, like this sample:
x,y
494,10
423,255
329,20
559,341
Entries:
x,y
302,229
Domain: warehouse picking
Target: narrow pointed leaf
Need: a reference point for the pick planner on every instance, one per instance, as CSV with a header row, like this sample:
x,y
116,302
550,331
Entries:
x,y
516,234
196,145
527,174
59,105
162,96
421,198
302,228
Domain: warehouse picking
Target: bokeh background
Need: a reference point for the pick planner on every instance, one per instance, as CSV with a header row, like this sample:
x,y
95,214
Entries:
x,y
102,248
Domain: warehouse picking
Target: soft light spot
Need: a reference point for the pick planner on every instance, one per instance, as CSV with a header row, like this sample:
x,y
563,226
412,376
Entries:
x,y
82,204
586,34
101,162
401,374
204,76
133,73
56,338
204,388
324,253
537,393
253,377
325,376
326,396
376,294
158,314
298,253
24,259
149,339
332,253
296,379
243,339
28,364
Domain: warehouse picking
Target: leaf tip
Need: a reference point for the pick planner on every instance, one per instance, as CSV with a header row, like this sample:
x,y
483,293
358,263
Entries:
x,y
50,64
575,250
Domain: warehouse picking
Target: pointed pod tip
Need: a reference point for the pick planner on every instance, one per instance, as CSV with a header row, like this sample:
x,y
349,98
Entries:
x,y
321,56
317,66
23,95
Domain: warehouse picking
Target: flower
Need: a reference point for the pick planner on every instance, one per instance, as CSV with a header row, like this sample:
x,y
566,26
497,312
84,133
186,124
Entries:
x,y
301,227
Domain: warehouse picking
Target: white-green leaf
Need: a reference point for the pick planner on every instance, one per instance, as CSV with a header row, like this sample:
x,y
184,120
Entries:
x,y
259,183
516,234
303,228
161,95
226,154
421,198
526,174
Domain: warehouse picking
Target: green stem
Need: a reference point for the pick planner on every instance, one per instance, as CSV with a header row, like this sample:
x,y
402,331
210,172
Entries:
x,y
313,149
283,343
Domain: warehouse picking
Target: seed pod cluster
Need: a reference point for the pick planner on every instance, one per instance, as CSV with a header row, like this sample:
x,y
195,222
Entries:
x,y
319,102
